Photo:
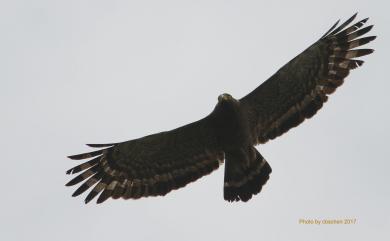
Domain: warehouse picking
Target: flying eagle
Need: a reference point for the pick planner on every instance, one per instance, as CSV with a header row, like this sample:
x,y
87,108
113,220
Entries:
x,y
156,164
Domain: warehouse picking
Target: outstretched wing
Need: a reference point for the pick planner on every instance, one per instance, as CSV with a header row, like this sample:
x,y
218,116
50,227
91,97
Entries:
x,y
149,166
299,89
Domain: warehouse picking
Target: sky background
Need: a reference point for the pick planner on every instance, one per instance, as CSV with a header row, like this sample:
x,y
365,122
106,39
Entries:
x,y
75,72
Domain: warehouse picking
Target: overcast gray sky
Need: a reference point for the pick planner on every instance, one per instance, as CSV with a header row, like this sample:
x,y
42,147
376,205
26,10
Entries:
x,y
75,72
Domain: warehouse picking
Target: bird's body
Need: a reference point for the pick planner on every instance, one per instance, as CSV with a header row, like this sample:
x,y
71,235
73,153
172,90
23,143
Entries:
x,y
245,167
156,164
234,132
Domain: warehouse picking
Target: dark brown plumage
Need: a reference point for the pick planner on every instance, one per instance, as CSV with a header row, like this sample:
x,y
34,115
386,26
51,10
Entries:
x,y
156,164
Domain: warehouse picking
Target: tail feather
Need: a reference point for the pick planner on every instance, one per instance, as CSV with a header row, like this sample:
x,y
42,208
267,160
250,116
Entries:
x,y
242,183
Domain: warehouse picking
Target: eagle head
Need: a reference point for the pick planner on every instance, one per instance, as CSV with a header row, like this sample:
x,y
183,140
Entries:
x,y
227,102
225,97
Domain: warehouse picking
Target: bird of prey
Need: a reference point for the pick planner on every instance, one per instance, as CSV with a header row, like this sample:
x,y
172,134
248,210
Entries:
x,y
156,164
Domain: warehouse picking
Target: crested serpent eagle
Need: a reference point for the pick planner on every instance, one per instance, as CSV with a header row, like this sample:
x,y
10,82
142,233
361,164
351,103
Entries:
x,y
156,164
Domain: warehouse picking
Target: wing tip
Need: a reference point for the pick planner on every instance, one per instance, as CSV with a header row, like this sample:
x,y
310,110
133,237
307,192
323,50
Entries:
x,y
336,28
76,193
100,145
331,29
352,17
363,52
370,38
88,154
106,194
73,157
369,27
70,183
89,197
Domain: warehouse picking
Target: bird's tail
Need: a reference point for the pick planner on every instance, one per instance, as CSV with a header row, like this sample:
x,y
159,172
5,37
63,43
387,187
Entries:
x,y
242,181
